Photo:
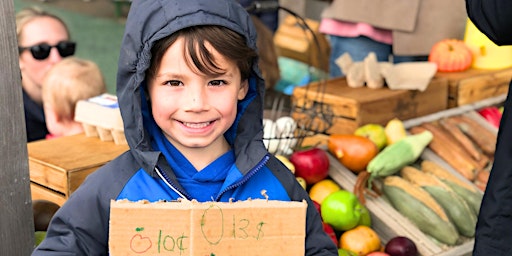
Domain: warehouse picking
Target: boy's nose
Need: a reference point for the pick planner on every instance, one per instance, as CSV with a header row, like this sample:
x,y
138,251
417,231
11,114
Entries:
x,y
195,100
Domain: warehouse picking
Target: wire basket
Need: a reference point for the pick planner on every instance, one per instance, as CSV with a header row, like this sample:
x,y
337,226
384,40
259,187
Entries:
x,y
287,122
286,125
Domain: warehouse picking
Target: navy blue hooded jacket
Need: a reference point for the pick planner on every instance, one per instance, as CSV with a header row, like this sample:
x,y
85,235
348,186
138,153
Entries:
x,y
493,234
80,227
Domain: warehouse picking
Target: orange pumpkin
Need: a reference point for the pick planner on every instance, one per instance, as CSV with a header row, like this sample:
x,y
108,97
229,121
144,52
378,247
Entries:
x,y
353,151
451,55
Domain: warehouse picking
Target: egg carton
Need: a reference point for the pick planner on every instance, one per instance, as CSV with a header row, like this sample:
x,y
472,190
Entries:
x,y
105,134
100,117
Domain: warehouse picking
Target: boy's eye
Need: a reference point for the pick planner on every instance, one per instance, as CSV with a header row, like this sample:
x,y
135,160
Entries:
x,y
217,82
173,83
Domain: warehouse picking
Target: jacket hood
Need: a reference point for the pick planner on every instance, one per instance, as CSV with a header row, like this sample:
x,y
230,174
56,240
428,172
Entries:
x,y
150,20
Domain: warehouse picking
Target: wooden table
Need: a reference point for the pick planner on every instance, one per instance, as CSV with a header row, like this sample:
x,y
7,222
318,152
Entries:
x,y
58,166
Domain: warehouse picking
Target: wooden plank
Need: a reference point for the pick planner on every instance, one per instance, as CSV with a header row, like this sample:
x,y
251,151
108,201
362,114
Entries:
x,y
39,192
16,219
474,85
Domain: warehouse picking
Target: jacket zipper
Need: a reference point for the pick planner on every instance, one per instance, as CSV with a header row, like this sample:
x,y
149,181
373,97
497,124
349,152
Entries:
x,y
246,177
184,194
169,183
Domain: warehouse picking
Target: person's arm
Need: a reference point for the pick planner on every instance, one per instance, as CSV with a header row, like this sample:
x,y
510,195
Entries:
x,y
493,233
493,18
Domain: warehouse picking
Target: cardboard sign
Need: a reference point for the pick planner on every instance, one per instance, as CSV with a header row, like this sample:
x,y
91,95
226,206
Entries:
x,y
252,227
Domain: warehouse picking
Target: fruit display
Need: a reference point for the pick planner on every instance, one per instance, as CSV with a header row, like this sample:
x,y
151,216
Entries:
x,y
435,201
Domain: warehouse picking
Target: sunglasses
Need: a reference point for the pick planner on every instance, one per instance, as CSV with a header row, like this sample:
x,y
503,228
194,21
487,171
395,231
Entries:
x,y
42,51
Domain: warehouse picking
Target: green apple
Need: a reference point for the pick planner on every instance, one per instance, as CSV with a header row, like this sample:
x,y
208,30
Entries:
x,y
342,210
374,132
343,252
365,219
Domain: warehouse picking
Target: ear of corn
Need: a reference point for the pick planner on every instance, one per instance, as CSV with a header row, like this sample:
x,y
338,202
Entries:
x,y
470,194
459,212
419,207
395,156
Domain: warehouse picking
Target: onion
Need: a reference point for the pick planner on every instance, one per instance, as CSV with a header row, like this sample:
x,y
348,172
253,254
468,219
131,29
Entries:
x,y
401,246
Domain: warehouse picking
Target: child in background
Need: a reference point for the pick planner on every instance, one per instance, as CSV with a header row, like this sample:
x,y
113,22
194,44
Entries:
x,y
67,82
191,97
43,41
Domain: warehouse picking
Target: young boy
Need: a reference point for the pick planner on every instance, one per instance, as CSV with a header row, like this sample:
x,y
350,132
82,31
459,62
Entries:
x,y
190,94
67,82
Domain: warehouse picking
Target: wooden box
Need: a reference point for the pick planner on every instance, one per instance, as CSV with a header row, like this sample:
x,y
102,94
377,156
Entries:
x,y
389,223
58,166
475,85
334,107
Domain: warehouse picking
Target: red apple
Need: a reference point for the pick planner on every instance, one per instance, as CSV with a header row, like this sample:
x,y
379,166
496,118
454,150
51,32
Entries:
x,y
330,232
312,164
401,246
317,206
377,254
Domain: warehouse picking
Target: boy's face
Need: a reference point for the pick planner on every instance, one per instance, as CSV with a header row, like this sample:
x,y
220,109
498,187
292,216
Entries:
x,y
194,111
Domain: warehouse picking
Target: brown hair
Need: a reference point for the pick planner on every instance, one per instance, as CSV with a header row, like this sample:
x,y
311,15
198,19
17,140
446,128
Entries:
x,y
227,42
28,14
69,81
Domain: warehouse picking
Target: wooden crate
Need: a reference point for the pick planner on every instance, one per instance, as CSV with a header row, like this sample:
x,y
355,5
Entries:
x,y
58,166
389,223
475,85
336,108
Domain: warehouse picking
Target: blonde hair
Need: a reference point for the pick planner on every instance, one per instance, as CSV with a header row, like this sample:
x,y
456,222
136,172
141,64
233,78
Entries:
x,y
69,81
28,14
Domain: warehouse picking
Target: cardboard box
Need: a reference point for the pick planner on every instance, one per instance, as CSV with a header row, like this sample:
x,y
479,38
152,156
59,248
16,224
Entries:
x,y
253,227
333,107
475,85
100,116
293,40
58,166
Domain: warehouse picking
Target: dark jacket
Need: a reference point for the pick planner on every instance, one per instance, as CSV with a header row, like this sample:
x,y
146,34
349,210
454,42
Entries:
x,y
34,119
493,231
80,227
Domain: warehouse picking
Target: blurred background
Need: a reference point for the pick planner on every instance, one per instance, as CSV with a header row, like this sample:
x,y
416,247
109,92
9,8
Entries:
x,y
97,26
94,25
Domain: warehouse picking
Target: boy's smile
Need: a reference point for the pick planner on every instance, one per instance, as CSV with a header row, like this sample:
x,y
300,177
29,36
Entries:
x,y
194,110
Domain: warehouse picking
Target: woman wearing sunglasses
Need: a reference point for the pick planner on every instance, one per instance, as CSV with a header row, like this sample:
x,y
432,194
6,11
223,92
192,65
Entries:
x,y
43,40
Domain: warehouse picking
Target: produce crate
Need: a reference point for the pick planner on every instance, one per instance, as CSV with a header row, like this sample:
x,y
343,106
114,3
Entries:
x,y
58,166
335,107
474,85
389,223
